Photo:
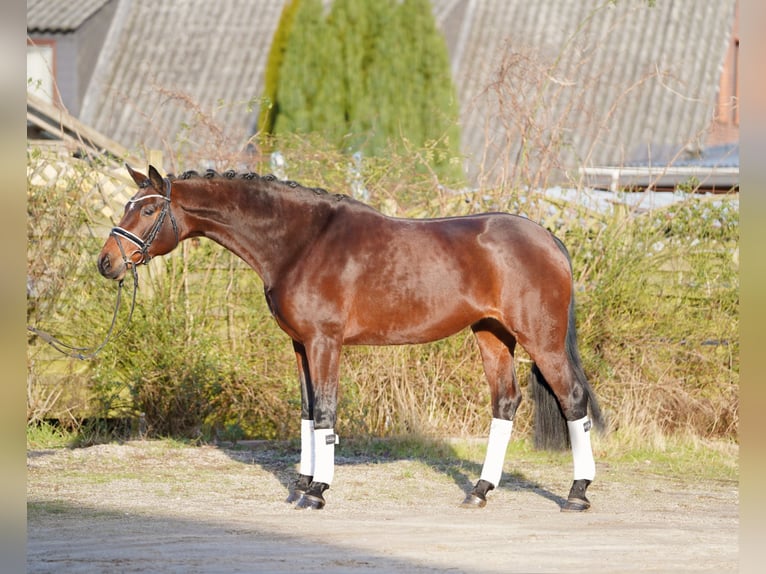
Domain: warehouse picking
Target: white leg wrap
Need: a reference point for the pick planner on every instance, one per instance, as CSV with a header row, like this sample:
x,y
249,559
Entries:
x,y
324,455
307,448
579,436
499,435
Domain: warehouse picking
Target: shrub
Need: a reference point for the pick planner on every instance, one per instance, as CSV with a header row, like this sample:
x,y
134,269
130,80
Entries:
x,y
657,309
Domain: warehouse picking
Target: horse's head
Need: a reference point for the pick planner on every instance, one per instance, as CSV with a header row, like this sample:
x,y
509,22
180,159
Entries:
x,y
147,228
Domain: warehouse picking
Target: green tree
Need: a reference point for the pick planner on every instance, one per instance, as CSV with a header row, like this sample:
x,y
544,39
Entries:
x,y
431,89
370,75
349,21
386,82
269,106
302,70
328,114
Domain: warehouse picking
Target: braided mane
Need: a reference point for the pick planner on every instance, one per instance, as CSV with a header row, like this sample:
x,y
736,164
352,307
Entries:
x,y
251,176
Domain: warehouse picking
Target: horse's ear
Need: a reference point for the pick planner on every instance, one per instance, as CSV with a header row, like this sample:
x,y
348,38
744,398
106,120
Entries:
x,y
156,178
137,176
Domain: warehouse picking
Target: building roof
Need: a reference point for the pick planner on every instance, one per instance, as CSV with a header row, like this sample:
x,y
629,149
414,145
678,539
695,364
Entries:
x,y
619,78
55,16
713,156
165,62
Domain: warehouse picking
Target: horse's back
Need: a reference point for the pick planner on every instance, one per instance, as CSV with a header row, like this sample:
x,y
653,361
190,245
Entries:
x,y
416,280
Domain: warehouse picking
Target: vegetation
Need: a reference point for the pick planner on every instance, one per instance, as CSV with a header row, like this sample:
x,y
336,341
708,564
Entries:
x,y
657,290
368,76
270,110
657,296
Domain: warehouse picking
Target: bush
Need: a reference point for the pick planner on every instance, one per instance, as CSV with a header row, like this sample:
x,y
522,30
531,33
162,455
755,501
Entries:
x,y
64,296
658,317
657,309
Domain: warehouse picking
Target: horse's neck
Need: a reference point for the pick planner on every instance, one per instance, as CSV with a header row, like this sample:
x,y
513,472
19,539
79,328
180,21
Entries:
x,y
265,227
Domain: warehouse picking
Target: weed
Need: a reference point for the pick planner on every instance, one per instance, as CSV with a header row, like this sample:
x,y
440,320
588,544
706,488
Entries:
x,y
657,313
46,435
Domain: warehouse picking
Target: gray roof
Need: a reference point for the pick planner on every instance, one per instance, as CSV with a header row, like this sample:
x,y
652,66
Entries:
x,y
629,76
163,59
55,16
713,156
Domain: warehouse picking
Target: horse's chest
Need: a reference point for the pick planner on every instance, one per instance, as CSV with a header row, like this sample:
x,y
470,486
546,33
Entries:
x,y
274,303
300,311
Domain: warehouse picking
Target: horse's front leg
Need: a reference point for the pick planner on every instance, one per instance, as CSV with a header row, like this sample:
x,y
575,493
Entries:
x,y
306,467
323,361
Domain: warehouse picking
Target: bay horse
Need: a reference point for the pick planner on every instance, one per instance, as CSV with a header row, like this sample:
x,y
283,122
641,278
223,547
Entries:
x,y
337,272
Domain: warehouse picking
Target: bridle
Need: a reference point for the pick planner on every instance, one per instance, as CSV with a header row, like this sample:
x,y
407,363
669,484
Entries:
x,y
142,245
142,248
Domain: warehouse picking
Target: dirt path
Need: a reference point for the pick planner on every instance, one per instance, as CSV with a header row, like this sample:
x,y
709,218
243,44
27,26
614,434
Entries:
x,y
154,507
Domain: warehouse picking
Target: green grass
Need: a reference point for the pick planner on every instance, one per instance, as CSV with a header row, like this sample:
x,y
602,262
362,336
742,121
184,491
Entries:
x,y
681,456
44,435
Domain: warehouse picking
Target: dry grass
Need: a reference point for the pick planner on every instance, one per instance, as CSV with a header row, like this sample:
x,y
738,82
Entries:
x,y
657,307
661,348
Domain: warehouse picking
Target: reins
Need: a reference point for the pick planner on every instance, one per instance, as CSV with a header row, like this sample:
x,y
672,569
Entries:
x,y
143,249
80,352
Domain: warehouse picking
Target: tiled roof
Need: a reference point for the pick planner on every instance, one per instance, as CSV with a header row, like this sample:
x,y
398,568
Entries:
x,y
211,53
712,156
721,155
630,76
57,16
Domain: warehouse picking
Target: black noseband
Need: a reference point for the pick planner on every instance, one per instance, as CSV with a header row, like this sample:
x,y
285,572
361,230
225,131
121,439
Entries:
x,y
144,244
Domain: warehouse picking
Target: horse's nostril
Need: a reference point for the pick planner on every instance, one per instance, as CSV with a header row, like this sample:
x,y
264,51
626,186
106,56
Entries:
x,y
104,264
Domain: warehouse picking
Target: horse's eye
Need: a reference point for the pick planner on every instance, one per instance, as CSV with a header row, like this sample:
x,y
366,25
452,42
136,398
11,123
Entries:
x,y
148,210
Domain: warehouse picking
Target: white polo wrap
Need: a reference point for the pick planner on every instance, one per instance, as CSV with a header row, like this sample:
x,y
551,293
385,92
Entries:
x,y
499,435
582,453
324,455
307,448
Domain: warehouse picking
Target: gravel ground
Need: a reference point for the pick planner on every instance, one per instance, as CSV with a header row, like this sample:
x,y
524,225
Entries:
x,y
148,506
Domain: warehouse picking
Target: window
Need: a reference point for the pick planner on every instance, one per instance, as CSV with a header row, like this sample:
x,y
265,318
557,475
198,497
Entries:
x,y
40,70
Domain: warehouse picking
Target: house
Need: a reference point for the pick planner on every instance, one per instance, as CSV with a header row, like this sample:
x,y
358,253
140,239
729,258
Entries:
x,y
63,44
548,89
587,84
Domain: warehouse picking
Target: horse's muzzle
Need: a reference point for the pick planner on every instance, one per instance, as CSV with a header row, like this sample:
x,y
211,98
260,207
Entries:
x,y
108,270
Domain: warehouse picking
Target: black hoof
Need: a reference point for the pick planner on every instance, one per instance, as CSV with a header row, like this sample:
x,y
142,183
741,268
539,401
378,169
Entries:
x,y
310,502
300,486
576,505
577,501
312,499
477,498
473,501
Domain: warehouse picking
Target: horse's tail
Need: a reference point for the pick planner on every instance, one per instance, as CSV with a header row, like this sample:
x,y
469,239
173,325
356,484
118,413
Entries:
x,y
550,428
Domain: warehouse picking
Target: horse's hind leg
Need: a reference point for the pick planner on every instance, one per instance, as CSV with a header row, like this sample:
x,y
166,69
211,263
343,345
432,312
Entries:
x,y
496,345
559,374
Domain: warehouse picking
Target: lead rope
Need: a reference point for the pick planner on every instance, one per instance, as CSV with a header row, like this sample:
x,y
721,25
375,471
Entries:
x,y
83,353
143,246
